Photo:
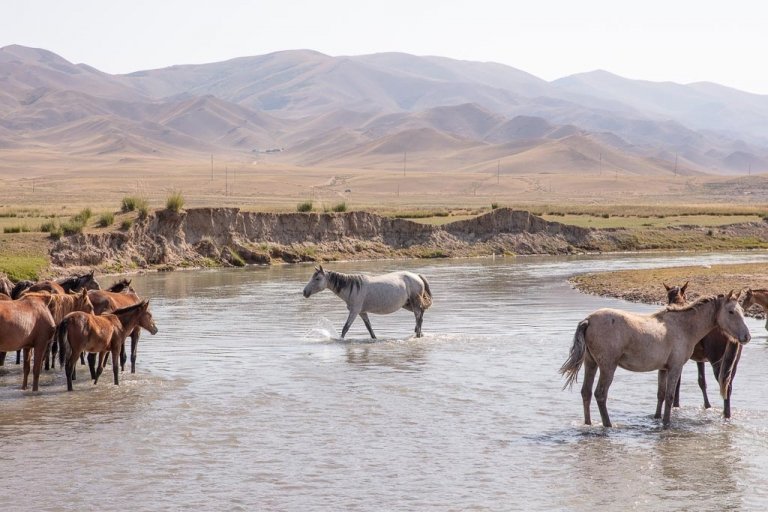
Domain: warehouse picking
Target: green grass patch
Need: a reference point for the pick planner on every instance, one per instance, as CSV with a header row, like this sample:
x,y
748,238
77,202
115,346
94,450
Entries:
x,y
22,228
340,207
126,224
23,267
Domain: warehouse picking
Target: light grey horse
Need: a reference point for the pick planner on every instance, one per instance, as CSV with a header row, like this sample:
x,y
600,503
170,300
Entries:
x,y
379,294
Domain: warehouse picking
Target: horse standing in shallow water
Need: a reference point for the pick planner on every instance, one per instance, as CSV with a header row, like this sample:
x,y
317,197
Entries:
x,y
723,354
662,341
759,297
379,294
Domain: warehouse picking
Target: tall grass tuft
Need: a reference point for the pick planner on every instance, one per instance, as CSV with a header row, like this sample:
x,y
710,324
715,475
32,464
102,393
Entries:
x,y
175,201
306,206
106,219
341,207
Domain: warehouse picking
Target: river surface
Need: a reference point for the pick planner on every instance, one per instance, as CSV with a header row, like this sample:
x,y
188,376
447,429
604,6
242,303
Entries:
x,y
247,400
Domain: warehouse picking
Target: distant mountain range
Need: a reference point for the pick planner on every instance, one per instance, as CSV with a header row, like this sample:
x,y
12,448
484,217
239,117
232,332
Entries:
x,y
372,111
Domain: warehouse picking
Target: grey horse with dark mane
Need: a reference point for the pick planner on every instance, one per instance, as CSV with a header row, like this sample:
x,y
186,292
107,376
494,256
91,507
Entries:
x,y
381,295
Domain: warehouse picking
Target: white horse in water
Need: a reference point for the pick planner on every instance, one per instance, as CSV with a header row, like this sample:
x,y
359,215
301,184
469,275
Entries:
x,y
380,294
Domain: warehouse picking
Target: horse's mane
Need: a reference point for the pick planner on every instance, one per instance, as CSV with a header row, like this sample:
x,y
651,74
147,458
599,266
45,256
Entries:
x,y
339,282
20,287
73,282
675,308
761,290
128,309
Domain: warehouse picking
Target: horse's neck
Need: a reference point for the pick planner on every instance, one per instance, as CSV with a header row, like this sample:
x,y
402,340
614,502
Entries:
x,y
762,298
128,321
700,320
344,293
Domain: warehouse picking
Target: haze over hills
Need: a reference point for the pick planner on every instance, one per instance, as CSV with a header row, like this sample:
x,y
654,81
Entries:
x,y
309,109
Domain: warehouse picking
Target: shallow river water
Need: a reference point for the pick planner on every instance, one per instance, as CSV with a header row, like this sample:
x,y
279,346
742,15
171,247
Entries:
x,y
247,400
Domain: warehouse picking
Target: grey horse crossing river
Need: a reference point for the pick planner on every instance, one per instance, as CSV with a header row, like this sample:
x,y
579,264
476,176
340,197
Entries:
x,y
381,295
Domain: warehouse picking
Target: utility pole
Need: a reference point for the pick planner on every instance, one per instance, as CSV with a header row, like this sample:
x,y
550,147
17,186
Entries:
x,y
211,167
675,164
405,153
601,164
226,181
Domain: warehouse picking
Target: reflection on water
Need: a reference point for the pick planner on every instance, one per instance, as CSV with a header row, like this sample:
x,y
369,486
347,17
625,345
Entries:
x,y
247,399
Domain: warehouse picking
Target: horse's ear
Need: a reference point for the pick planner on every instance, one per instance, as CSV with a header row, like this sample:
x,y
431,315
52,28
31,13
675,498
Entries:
x,y
730,294
321,269
738,294
682,288
85,293
665,286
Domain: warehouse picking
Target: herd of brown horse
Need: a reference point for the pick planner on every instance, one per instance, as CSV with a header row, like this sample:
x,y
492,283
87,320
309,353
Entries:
x,y
72,316
712,329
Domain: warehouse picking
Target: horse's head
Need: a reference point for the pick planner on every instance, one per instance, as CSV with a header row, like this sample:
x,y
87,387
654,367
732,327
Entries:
x,y
749,299
317,283
676,294
88,281
145,319
730,318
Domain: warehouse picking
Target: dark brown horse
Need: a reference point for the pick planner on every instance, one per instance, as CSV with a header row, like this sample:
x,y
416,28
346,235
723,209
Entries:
x,y
716,347
759,297
83,332
27,325
106,302
66,285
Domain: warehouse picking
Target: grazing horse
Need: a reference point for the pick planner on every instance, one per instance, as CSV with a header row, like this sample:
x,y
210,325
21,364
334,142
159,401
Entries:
x,y
380,294
759,297
26,324
663,341
106,302
83,332
715,347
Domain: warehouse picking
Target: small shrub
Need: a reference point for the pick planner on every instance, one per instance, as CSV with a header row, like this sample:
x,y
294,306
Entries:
x,y
606,215
175,201
143,211
71,228
306,206
341,207
494,206
236,260
48,227
126,224
106,219
82,217
130,203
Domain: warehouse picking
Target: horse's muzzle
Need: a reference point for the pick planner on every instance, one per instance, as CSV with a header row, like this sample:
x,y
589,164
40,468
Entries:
x,y
306,294
746,339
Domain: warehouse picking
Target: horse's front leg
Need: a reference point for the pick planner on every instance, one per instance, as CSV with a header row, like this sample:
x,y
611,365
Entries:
x,y
351,318
673,375
100,366
367,323
26,368
661,392
116,362
419,314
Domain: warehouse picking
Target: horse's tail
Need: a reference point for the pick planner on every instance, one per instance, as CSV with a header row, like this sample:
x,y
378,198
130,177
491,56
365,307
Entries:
x,y
65,350
728,367
427,295
572,365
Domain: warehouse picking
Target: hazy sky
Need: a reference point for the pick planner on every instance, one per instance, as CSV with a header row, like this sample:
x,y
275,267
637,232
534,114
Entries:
x,y
677,40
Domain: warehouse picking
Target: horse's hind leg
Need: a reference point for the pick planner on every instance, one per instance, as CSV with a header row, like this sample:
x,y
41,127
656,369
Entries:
x,y
92,364
673,375
2,358
590,370
134,347
100,368
703,383
26,368
601,393
38,365
367,323
676,402
18,357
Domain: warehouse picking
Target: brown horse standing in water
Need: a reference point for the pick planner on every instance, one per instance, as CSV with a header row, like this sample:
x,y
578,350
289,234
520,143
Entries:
x,y
83,332
716,347
27,325
664,341
107,301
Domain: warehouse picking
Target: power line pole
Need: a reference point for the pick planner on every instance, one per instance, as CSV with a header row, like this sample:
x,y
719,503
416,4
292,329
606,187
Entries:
x,y
211,167
675,164
226,181
405,153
